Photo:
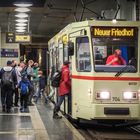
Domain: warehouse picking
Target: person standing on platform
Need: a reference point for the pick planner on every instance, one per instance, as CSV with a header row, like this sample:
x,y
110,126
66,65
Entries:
x,y
41,86
64,88
36,78
23,67
24,86
31,75
15,67
49,81
8,82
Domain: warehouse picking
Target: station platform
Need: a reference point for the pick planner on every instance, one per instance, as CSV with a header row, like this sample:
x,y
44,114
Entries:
x,y
36,124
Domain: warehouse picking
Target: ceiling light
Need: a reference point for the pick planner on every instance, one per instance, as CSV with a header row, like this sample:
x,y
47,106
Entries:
x,y
20,28
21,20
23,4
20,31
21,15
22,9
21,24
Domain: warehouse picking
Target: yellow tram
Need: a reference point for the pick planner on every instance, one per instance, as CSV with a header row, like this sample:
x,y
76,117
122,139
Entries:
x,y
99,90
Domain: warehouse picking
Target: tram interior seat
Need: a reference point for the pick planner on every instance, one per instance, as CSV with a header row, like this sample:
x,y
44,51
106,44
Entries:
x,y
100,61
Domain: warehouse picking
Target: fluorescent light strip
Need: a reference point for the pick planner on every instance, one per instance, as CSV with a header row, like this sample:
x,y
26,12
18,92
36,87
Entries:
x,y
23,4
21,31
22,9
21,20
20,28
21,15
21,24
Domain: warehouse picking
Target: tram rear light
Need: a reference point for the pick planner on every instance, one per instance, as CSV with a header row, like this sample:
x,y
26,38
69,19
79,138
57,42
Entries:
x,y
130,95
105,95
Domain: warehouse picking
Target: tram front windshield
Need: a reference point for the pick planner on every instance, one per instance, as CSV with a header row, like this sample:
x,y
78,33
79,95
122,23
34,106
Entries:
x,y
116,52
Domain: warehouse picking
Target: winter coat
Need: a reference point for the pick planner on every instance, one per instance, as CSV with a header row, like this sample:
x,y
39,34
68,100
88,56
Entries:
x,y
65,82
30,73
18,74
35,71
14,77
41,82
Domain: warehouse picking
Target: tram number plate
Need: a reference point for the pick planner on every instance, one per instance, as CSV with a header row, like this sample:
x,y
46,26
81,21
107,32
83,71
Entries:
x,y
116,99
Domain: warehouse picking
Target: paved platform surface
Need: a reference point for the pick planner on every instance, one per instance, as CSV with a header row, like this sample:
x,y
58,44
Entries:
x,y
58,129
36,124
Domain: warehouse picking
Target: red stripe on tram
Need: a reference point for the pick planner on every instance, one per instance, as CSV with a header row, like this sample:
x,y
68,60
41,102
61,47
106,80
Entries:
x,y
106,78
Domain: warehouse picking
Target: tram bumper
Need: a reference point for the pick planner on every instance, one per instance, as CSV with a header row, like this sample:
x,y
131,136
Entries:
x,y
116,111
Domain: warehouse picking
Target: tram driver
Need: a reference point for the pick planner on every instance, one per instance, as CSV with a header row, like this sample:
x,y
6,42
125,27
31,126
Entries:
x,y
116,58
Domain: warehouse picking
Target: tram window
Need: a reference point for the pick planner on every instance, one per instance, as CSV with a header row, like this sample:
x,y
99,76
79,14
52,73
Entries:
x,y
106,46
54,56
83,58
65,53
60,55
51,63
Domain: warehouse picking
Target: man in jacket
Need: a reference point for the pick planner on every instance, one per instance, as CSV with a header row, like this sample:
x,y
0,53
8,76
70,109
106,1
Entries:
x,y
30,74
15,68
8,83
64,89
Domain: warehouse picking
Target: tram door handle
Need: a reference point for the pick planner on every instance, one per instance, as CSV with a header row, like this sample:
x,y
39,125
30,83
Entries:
x,y
89,92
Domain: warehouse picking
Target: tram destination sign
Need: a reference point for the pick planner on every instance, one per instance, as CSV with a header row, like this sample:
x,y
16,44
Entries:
x,y
114,31
12,37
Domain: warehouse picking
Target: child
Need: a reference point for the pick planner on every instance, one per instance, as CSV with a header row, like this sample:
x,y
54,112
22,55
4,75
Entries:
x,y
24,86
41,85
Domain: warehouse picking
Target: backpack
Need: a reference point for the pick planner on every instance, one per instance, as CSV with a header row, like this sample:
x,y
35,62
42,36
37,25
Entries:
x,y
7,79
24,88
55,80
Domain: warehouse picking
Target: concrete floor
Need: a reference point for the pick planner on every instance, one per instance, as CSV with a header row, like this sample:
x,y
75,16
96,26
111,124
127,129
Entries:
x,y
36,124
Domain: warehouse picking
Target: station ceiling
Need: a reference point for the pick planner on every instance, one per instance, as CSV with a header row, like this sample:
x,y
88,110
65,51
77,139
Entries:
x,y
47,17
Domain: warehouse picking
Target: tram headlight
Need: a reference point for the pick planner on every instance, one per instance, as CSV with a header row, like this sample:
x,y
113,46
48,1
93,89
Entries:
x,y
130,95
103,95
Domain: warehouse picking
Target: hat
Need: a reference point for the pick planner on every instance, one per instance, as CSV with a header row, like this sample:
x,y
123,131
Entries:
x,y
9,62
66,62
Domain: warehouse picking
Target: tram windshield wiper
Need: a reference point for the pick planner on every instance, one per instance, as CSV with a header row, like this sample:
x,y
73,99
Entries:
x,y
121,71
131,65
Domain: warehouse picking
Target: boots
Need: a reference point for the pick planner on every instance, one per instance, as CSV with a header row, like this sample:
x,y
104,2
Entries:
x,y
55,114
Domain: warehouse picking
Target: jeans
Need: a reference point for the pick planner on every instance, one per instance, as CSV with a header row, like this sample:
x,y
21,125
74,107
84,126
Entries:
x,y
60,101
35,86
38,95
6,97
16,96
23,100
31,93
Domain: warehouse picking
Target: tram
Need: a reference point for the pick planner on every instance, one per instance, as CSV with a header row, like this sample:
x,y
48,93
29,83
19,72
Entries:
x,y
100,91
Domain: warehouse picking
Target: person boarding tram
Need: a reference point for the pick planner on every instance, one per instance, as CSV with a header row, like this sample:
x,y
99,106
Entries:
x,y
64,88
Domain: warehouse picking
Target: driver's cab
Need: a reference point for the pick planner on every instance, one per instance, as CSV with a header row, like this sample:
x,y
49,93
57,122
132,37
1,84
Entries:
x,y
124,39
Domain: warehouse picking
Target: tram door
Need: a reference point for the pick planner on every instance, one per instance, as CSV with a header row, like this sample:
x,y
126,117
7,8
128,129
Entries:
x,y
63,56
67,101
81,86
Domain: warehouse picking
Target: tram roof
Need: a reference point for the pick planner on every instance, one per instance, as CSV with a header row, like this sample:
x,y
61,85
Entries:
x,y
93,23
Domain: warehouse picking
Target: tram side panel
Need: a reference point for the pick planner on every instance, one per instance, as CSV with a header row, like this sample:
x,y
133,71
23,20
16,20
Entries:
x,y
87,85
